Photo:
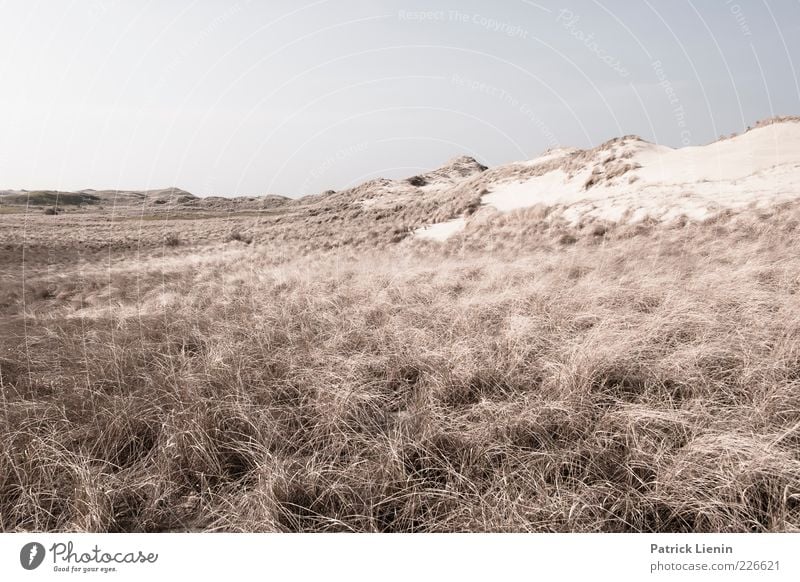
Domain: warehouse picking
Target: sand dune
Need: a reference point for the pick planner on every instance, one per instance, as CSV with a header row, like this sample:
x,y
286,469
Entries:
x,y
629,180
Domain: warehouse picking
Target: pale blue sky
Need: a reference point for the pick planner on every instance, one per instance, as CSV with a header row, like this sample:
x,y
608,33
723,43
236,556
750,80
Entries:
x,y
295,97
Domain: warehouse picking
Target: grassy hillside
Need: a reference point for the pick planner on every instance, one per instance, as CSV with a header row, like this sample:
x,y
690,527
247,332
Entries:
x,y
49,198
524,376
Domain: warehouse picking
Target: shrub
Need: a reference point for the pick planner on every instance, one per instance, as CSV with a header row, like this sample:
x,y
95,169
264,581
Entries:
x,y
239,236
172,240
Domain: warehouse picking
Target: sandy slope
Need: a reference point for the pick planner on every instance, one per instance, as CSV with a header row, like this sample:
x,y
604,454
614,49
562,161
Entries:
x,y
628,179
441,230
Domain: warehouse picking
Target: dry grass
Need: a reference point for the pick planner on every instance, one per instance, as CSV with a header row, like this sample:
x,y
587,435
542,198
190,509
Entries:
x,y
525,376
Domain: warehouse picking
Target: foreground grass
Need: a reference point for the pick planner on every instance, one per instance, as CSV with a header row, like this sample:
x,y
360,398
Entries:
x,y
643,380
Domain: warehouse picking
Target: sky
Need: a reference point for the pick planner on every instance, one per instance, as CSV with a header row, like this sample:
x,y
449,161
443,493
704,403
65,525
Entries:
x,y
247,97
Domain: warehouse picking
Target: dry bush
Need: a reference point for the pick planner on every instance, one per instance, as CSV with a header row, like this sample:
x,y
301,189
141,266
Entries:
x,y
172,240
239,236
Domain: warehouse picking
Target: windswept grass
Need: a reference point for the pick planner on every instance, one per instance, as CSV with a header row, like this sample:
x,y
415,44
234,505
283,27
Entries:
x,y
49,198
628,379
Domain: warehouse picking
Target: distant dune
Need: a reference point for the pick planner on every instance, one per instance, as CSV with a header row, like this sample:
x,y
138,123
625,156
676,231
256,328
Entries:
x,y
626,180
630,180
167,197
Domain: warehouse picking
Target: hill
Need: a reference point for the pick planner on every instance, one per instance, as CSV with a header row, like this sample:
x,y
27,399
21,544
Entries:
x,y
628,180
601,340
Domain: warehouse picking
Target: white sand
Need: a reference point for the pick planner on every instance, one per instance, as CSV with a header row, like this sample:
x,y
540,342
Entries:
x,y
441,231
756,168
755,151
760,166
